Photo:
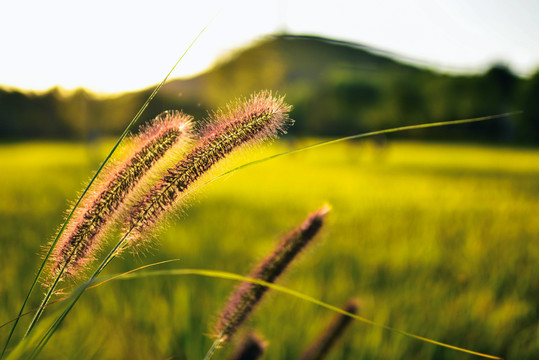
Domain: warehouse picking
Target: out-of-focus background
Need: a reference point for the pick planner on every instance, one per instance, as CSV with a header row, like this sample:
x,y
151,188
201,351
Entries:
x,y
78,72
434,231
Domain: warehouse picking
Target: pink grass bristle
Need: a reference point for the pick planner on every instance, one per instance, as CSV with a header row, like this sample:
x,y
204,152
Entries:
x,y
82,237
261,117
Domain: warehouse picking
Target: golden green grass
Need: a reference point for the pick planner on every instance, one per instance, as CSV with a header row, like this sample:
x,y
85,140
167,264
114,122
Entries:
x,y
436,239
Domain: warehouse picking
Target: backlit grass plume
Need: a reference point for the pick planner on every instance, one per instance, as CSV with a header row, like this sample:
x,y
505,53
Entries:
x,y
81,238
248,294
261,117
321,346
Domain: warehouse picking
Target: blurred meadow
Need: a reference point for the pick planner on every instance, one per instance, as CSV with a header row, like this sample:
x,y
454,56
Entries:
x,y
433,238
433,231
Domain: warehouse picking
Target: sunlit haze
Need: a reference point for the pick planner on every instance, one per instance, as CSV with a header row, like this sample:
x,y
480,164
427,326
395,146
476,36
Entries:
x,y
112,46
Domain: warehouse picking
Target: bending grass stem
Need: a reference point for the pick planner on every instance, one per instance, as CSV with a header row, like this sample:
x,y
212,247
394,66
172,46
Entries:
x,y
47,297
285,290
47,256
93,286
76,296
79,291
213,348
359,136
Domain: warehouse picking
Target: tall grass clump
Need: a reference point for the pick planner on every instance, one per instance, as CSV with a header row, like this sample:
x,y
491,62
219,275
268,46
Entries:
x,y
82,236
54,243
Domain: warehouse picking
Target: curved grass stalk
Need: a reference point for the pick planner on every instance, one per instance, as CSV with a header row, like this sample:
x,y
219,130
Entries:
x,y
232,276
68,218
24,343
114,252
77,293
236,277
91,287
360,136
213,349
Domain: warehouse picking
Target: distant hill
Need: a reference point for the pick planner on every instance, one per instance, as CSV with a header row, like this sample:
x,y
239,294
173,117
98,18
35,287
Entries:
x,y
283,63
336,88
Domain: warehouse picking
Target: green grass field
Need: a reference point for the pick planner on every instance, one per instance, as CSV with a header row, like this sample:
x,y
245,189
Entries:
x,y
439,240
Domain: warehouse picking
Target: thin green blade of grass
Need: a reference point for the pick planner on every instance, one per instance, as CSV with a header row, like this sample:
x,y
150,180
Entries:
x,y
359,136
232,276
112,254
213,349
91,287
21,347
105,161
129,275
75,296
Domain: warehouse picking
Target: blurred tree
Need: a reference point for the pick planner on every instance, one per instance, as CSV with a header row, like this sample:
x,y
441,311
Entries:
x,y
336,88
529,100
497,93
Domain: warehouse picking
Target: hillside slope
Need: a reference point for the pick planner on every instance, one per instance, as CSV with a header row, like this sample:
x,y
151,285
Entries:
x,y
336,88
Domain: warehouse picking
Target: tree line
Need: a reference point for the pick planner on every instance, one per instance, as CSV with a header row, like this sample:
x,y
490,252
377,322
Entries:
x,y
336,89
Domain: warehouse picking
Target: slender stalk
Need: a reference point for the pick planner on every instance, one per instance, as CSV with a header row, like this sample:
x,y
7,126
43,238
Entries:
x,y
53,244
231,276
248,295
321,346
360,136
75,298
213,348
45,300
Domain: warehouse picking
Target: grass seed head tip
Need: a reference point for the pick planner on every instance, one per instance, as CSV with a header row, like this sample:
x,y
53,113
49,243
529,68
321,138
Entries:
x,y
247,295
167,120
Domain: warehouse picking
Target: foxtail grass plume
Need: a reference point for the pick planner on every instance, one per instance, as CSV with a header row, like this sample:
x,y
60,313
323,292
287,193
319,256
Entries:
x,y
248,294
321,346
82,237
261,117
250,348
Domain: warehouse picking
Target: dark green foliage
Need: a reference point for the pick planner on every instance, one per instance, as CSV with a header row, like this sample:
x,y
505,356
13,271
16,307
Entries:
x,y
528,125
337,88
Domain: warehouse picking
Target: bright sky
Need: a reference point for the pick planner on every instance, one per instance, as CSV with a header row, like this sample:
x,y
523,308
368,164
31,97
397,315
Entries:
x,y
111,45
